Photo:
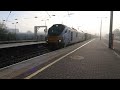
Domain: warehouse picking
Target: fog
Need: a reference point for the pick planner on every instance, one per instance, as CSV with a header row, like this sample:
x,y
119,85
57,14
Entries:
x,y
87,21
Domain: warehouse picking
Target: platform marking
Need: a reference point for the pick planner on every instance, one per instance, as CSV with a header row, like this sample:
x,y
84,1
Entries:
x,y
113,51
105,44
116,54
35,73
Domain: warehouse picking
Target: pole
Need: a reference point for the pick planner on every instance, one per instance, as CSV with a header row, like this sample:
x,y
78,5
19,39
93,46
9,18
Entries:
x,y
8,16
100,28
15,31
110,31
68,13
45,22
3,24
48,14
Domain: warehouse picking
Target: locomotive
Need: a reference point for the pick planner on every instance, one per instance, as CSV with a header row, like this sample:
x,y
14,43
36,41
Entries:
x,y
60,35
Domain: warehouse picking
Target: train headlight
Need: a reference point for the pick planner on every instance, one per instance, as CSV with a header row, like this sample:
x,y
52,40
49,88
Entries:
x,y
59,40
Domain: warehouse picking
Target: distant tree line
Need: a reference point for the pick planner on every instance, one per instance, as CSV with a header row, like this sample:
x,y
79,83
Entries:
x,y
116,33
4,34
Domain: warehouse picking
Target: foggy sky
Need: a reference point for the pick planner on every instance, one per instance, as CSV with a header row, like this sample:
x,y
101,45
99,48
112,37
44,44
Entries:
x,y
87,21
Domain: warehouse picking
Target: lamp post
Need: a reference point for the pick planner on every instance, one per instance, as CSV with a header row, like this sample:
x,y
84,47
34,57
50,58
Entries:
x,y
69,14
101,26
15,26
110,31
45,21
15,29
3,24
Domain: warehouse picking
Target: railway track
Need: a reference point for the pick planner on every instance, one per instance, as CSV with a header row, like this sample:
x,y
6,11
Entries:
x,y
18,41
9,56
14,55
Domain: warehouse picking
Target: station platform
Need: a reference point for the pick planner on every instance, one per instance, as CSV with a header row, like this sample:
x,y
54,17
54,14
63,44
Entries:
x,y
86,60
116,45
19,44
93,61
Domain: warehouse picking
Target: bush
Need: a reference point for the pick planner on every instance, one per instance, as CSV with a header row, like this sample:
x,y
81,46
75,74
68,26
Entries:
x,y
4,34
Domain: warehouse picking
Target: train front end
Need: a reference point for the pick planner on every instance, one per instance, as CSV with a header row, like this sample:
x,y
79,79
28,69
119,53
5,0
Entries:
x,y
54,37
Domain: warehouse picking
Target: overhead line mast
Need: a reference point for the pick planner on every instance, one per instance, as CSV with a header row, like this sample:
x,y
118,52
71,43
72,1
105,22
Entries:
x,y
8,16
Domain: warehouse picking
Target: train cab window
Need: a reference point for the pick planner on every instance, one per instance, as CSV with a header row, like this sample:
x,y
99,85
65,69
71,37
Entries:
x,y
66,31
56,29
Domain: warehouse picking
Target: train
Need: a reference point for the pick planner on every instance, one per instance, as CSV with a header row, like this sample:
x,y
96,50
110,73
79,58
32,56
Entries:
x,y
60,36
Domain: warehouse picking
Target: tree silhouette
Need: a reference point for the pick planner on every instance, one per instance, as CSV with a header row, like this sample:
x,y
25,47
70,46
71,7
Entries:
x,y
5,35
116,32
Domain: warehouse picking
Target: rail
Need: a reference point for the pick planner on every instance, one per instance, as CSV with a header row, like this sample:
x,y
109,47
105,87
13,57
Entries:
x,y
19,41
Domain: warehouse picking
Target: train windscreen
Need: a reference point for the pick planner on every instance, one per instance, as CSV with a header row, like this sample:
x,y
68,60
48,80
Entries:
x,y
56,29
